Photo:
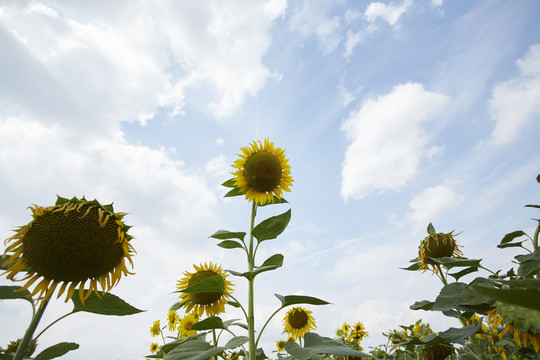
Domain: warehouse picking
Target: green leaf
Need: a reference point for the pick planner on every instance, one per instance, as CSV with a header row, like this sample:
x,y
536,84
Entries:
x,y
108,304
316,345
458,335
516,244
413,267
230,244
431,229
212,284
236,341
463,272
450,262
533,206
201,350
225,235
511,236
176,306
422,305
530,264
12,292
56,351
272,227
213,322
525,297
289,300
229,183
272,263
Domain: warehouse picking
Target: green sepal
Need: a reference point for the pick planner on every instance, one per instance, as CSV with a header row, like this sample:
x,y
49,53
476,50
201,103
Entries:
x,y
431,229
229,183
289,300
315,345
108,304
272,227
56,350
275,200
13,292
225,235
214,283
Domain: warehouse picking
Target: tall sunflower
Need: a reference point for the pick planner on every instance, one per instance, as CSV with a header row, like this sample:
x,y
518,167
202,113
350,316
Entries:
x,y
211,302
297,322
437,245
263,172
72,242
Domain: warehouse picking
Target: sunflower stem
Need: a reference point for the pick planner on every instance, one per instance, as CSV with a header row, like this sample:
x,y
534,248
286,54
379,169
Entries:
x,y
22,350
251,265
54,322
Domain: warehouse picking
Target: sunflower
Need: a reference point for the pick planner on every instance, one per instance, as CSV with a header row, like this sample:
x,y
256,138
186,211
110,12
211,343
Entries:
x,y
72,242
155,329
211,302
172,319
263,172
357,333
281,345
437,245
185,324
297,322
522,323
154,347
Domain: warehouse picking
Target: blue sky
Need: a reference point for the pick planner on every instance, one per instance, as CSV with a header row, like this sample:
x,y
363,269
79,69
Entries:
x,y
394,114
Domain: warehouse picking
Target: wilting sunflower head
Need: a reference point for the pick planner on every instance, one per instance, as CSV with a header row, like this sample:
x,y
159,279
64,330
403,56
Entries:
x,y
437,245
438,352
523,323
211,302
297,322
262,172
72,242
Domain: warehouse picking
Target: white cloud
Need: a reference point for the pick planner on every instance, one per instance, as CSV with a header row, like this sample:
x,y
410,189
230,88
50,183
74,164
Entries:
x,y
516,102
387,139
313,20
353,39
433,202
389,13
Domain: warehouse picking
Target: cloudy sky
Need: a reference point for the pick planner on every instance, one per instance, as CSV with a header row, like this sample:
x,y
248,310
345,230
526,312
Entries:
x,y
394,114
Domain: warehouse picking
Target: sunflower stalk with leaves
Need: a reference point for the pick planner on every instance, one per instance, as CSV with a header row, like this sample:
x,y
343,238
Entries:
x,y
64,247
262,174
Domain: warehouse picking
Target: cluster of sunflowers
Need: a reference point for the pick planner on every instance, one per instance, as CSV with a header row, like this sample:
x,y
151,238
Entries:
x,y
352,336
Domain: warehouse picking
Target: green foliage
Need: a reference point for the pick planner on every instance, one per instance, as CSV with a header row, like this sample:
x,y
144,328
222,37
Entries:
x,y
272,227
56,351
107,304
317,345
14,292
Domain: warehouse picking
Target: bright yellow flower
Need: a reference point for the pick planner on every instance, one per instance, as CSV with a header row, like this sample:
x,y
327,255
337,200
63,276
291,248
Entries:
x,y
72,242
155,329
358,332
211,302
436,246
524,332
297,322
184,327
154,347
281,345
263,172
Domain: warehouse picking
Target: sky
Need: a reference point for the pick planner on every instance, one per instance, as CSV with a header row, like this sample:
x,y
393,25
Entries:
x,y
394,114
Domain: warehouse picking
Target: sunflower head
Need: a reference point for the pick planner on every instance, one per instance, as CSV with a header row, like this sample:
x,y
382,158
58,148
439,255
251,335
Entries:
x,y
172,319
281,345
262,172
154,347
211,302
523,323
358,332
297,322
437,245
185,324
438,352
72,242
155,329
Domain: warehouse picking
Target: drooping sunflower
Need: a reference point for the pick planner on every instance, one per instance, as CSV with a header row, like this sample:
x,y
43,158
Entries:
x,y
211,302
437,245
297,322
72,242
155,329
439,352
262,172
357,333
522,323
185,324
